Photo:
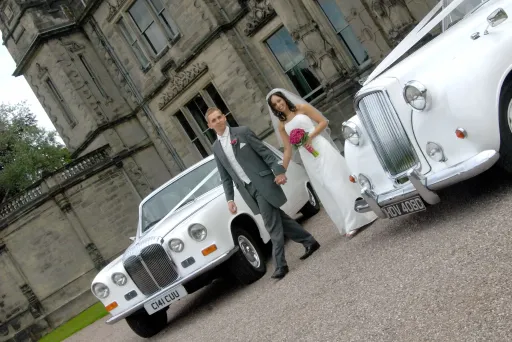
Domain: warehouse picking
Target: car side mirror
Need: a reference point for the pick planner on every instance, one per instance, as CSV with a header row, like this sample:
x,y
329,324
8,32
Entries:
x,y
132,238
497,17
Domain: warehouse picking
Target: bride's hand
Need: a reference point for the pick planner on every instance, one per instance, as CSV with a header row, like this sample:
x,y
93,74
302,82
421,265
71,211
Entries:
x,y
309,142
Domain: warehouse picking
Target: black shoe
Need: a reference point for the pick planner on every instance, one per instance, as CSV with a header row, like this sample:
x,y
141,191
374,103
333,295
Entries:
x,y
280,272
310,250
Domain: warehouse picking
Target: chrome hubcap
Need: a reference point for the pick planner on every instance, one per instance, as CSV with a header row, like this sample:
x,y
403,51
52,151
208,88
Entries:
x,y
312,199
509,115
249,251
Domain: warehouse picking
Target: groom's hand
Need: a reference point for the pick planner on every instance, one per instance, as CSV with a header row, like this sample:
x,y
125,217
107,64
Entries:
x,y
281,179
232,207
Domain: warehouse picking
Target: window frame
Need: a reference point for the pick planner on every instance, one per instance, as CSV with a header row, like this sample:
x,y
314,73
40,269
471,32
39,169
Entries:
x,y
200,135
346,47
59,99
126,20
308,97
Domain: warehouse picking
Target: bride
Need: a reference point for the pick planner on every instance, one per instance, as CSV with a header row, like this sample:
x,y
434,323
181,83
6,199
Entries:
x,y
328,171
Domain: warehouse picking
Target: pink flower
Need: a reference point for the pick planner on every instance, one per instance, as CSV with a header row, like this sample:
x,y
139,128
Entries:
x,y
296,136
234,141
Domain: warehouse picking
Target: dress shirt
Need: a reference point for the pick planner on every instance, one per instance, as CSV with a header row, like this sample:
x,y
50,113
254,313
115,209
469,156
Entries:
x,y
225,142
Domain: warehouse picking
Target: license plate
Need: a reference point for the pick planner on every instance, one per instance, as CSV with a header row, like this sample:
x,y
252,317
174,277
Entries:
x,y
405,207
165,299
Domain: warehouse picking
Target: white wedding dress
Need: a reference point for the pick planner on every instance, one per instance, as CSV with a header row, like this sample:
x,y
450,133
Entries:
x,y
329,176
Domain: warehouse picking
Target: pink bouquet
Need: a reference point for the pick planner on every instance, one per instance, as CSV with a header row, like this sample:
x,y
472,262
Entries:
x,y
298,138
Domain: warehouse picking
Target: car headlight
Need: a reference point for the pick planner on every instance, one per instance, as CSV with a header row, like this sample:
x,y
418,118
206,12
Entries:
x,y
415,94
119,279
350,132
197,232
365,181
435,152
176,245
100,290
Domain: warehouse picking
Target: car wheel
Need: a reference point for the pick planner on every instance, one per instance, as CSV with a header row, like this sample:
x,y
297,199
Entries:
x,y
312,207
506,128
146,325
248,263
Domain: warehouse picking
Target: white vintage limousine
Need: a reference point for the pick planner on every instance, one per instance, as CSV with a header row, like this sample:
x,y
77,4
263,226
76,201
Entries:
x,y
185,238
435,117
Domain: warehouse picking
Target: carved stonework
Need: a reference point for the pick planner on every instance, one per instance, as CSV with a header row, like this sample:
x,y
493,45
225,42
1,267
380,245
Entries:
x,y
394,17
113,9
72,46
96,257
261,11
34,305
181,82
63,203
137,177
41,70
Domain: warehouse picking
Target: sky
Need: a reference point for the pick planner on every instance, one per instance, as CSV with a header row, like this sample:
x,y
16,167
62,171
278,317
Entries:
x,y
16,89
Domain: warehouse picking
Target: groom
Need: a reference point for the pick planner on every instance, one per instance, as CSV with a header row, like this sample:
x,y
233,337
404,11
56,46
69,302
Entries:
x,y
243,159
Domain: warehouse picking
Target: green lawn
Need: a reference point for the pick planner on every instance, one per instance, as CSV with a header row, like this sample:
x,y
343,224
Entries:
x,y
77,323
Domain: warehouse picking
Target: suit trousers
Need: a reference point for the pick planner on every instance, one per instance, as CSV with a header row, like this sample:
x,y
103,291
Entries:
x,y
279,225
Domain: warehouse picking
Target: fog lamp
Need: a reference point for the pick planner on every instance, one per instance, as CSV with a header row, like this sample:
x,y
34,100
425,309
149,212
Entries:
x,y
176,245
415,95
365,182
435,152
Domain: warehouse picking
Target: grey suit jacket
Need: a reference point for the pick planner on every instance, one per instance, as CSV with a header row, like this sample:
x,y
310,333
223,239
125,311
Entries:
x,y
258,162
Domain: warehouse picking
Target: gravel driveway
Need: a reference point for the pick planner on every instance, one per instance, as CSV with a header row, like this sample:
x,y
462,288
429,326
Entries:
x,y
441,275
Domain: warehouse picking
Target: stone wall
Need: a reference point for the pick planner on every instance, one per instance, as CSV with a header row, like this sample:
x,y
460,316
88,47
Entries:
x,y
56,236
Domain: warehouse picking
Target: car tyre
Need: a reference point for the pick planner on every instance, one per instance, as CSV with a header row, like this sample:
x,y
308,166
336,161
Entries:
x,y
506,128
248,264
312,207
146,325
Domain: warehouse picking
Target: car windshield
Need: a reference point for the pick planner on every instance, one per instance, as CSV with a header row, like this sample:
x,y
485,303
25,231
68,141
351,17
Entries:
x,y
183,191
459,12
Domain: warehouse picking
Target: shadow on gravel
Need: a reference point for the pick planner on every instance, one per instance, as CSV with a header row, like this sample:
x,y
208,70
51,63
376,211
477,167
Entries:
x,y
467,196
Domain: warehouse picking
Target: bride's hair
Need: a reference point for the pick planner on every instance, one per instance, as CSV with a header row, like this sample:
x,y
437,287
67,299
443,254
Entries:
x,y
280,115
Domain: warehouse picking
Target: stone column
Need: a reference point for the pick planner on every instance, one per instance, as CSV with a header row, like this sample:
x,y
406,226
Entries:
x,y
310,40
90,247
34,304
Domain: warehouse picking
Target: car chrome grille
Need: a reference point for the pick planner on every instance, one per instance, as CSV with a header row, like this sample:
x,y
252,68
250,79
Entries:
x,y
149,266
389,139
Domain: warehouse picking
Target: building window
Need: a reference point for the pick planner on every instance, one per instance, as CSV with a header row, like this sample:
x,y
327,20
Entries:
x,y
92,75
294,64
149,30
191,118
344,31
60,100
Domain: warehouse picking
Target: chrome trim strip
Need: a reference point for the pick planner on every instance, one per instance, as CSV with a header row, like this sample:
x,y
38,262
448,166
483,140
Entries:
x,y
191,276
425,186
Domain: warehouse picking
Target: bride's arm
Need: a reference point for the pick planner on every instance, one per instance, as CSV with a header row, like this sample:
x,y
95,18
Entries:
x,y
287,146
313,114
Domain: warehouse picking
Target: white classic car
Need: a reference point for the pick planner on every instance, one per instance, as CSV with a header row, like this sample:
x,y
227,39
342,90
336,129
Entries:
x,y
186,237
435,117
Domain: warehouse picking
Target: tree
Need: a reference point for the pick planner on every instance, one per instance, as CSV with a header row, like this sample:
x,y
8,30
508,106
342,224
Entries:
x,y
26,150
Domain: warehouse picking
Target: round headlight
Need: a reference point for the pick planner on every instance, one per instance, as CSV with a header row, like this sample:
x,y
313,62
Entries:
x,y
350,132
365,181
100,290
415,94
197,232
119,279
176,245
435,152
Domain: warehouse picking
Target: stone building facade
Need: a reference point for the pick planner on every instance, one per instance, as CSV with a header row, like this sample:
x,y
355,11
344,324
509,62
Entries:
x,y
128,82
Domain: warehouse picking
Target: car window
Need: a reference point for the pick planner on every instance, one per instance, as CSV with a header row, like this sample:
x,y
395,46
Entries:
x,y
162,203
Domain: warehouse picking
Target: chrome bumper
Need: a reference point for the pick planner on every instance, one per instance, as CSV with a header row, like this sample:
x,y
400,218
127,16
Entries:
x,y
425,186
181,281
